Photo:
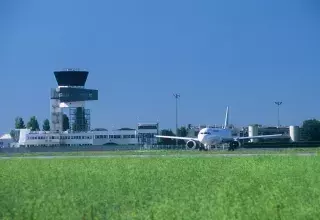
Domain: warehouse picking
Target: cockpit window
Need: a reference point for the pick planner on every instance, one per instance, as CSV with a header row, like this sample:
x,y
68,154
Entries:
x,y
206,132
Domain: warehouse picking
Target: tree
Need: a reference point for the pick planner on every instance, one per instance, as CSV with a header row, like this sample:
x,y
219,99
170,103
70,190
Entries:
x,y
19,123
167,141
33,124
182,132
311,130
46,125
15,134
65,123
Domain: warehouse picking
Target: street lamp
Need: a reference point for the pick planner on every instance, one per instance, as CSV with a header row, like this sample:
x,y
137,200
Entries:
x,y
278,104
176,96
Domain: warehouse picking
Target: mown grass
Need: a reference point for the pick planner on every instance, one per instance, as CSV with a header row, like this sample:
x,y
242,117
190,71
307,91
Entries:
x,y
166,152
265,187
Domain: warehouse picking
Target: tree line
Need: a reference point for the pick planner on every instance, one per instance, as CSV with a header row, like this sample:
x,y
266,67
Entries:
x,y
311,130
80,123
33,124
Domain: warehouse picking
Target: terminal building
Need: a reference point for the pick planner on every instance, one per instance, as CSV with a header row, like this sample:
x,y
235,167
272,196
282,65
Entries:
x,y
68,100
122,136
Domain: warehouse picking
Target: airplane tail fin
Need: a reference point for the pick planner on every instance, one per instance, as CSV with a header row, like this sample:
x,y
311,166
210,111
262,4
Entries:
x,y
226,121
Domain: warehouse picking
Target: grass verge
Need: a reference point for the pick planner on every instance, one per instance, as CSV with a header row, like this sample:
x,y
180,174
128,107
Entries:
x,y
265,187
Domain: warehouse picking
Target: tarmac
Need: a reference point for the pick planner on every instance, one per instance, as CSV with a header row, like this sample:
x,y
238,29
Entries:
x,y
159,155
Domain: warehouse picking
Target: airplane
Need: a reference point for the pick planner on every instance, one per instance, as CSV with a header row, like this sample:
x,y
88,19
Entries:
x,y
208,137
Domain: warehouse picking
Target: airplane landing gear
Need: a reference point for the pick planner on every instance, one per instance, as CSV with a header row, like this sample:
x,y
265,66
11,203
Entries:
x,y
203,147
233,145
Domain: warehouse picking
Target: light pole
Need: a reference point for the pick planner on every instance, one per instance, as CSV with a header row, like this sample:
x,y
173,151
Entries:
x,y
278,104
176,96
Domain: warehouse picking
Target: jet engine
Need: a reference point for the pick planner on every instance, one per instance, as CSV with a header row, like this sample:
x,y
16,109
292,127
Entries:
x,y
191,144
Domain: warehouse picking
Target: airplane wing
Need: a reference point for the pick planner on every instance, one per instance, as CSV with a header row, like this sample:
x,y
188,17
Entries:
x,y
262,136
179,138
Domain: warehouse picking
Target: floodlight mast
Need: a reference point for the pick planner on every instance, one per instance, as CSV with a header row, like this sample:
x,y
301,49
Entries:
x,y
278,103
176,96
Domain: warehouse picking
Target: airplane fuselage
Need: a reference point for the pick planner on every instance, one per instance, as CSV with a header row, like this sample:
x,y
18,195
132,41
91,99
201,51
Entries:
x,y
213,136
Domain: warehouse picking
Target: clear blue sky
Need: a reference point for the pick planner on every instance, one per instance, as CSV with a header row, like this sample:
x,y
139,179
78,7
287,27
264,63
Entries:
x,y
246,54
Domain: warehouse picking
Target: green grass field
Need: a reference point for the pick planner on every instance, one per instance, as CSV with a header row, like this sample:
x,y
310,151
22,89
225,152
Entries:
x,y
264,187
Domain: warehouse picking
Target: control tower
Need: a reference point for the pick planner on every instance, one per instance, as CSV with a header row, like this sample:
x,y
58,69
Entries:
x,y
71,94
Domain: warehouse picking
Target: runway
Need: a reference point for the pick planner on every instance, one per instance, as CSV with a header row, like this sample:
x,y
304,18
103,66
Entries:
x,y
159,155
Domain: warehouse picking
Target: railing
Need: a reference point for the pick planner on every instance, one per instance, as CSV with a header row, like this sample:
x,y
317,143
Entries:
x,y
73,69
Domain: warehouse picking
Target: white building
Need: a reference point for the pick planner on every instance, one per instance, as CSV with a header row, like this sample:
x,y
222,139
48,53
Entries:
x,y
124,136
146,133
5,141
